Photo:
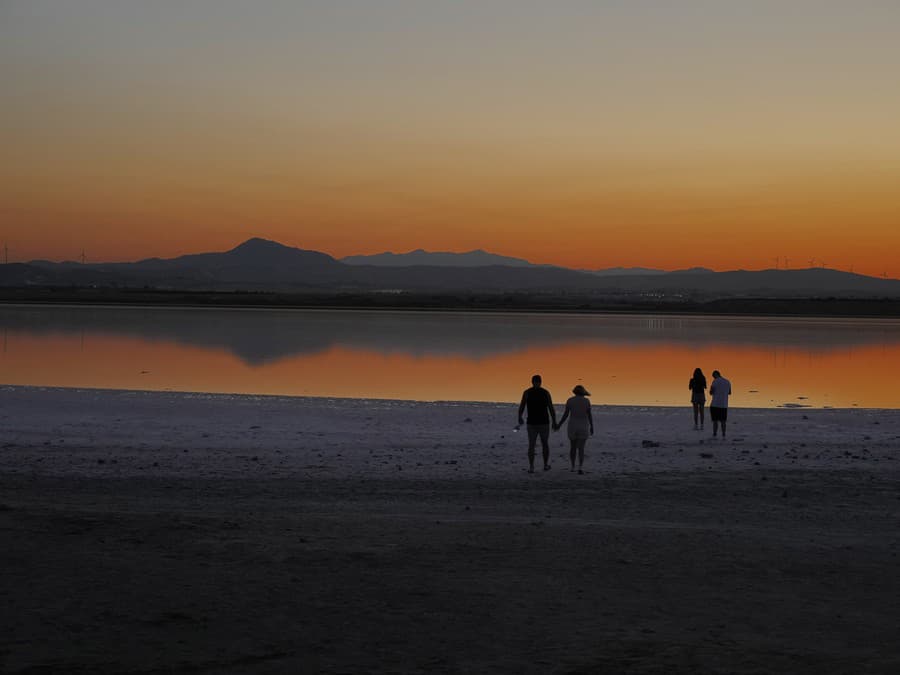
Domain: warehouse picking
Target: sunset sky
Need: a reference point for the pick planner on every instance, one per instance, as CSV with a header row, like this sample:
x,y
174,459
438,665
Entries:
x,y
582,133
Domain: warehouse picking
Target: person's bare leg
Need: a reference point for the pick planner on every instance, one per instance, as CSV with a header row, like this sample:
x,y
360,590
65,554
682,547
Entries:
x,y
696,414
545,447
723,429
581,443
701,417
573,449
532,439
715,427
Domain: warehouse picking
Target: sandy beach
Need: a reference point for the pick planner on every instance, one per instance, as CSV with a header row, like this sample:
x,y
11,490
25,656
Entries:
x,y
149,532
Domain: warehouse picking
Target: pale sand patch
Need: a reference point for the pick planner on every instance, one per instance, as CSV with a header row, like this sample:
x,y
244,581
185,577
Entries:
x,y
101,433
168,532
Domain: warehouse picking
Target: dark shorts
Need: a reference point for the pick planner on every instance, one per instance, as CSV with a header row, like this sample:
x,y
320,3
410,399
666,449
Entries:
x,y
535,430
718,414
698,400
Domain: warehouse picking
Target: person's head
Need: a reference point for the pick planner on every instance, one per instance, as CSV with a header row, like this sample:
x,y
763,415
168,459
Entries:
x,y
578,390
716,374
536,380
698,373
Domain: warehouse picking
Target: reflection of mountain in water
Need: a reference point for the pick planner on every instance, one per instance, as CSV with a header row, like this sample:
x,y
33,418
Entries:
x,y
259,336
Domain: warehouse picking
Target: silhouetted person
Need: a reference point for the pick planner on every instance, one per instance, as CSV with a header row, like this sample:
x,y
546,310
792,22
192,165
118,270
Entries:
x,y
719,391
540,412
697,385
581,424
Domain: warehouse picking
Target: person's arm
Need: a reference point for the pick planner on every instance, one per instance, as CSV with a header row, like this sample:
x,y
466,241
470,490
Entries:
x,y
557,425
690,384
590,419
550,407
522,406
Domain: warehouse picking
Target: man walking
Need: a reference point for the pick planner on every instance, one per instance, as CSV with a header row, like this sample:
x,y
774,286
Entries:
x,y
540,414
720,390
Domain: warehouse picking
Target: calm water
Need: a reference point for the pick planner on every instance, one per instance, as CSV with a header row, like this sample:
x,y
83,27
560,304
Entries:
x,y
627,360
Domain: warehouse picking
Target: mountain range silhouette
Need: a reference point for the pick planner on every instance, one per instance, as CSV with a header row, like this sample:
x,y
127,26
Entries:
x,y
262,265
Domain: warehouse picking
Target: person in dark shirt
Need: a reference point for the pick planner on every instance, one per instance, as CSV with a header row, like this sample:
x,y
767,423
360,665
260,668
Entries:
x,y
540,414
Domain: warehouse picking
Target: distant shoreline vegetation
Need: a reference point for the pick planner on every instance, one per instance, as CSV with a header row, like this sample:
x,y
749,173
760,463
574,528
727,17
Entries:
x,y
550,302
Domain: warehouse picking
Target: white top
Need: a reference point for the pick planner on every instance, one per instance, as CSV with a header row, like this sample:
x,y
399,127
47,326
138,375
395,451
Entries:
x,y
579,408
720,390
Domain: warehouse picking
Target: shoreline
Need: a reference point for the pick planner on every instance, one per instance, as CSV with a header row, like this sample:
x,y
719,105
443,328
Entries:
x,y
96,432
797,407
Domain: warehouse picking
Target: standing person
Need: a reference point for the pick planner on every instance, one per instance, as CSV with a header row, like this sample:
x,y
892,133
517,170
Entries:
x,y
697,385
719,390
581,424
540,412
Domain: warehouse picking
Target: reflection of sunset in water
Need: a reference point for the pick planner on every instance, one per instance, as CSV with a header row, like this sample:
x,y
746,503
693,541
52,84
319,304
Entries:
x,y
645,374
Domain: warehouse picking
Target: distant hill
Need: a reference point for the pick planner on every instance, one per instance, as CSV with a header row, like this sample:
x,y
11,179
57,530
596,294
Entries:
x,y
814,282
479,258
256,263
625,271
693,270
476,258
262,265
256,260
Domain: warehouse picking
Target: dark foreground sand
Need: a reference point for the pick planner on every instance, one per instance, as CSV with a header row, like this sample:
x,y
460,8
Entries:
x,y
202,544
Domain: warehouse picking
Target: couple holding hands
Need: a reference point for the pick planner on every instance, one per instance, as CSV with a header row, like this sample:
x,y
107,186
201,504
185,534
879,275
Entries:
x,y
537,401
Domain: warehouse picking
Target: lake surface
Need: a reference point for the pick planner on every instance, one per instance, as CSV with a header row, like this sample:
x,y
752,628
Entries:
x,y
622,360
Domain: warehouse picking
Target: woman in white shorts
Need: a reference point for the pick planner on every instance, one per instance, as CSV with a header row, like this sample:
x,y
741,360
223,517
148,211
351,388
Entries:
x,y
581,424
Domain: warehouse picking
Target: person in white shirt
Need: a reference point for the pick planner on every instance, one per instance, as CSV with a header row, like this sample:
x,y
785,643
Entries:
x,y
719,390
581,424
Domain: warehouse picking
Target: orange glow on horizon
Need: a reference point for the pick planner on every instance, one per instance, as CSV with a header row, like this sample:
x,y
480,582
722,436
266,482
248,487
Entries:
x,y
662,225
